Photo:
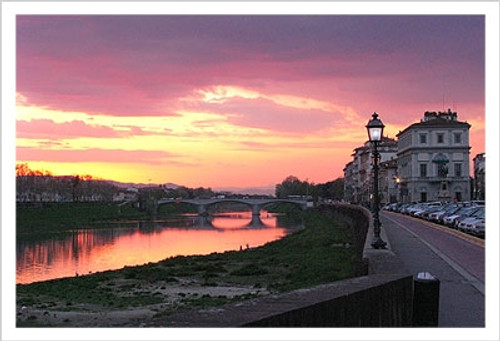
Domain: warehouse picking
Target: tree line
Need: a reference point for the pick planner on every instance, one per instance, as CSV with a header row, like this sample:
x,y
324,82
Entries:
x,y
35,185
292,186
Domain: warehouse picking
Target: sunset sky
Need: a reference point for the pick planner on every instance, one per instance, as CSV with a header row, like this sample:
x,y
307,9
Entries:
x,y
234,101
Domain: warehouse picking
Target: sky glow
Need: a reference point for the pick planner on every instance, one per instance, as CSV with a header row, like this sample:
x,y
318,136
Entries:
x,y
234,101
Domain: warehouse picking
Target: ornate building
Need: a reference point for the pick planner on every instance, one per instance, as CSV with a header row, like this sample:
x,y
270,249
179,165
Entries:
x,y
433,159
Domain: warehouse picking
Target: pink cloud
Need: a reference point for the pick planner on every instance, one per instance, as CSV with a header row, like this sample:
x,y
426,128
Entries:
x,y
266,114
97,155
44,128
48,129
272,147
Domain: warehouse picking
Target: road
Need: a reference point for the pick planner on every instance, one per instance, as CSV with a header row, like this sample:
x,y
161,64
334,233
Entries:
x,y
456,259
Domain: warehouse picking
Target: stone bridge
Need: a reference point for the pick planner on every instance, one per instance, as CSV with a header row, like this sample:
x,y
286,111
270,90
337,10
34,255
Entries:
x,y
255,204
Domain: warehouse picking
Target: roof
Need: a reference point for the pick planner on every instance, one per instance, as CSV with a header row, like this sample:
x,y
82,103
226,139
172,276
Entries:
x,y
436,123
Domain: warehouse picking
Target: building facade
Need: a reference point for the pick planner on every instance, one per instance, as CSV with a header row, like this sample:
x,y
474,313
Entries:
x,y
388,181
479,176
349,180
358,174
433,159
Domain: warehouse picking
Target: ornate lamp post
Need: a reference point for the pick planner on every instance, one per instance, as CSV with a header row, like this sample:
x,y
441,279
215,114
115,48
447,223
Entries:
x,y
375,129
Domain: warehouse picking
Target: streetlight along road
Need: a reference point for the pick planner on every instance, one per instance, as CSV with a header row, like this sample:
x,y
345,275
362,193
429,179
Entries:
x,y
375,129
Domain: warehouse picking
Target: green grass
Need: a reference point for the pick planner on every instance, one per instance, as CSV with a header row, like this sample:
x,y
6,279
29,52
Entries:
x,y
58,217
309,257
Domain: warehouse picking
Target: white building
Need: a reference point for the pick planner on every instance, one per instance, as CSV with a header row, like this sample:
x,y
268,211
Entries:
x,y
433,159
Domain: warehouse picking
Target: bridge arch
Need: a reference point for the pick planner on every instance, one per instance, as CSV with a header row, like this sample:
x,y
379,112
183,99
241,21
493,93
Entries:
x,y
255,204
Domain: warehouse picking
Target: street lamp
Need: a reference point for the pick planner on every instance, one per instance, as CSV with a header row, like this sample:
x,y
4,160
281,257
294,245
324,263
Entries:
x,y
375,129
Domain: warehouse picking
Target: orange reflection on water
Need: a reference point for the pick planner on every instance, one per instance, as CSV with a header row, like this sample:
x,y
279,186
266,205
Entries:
x,y
108,249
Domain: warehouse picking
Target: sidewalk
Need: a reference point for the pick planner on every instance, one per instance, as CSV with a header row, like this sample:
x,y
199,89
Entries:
x,y
461,304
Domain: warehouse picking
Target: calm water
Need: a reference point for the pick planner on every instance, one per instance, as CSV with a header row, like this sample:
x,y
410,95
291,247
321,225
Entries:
x,y
140,242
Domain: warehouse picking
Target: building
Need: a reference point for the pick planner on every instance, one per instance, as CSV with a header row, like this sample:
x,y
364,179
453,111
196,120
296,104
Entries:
x,y
479,173
388,181
433,159
349,180
358,174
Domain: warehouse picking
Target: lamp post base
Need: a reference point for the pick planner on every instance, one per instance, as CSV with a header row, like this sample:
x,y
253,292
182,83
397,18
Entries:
x,y
378,243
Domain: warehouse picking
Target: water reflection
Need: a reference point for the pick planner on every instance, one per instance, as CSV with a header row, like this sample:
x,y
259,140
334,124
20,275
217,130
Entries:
x,y
140,242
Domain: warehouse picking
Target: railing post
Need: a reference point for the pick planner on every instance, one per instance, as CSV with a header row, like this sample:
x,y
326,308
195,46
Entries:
x,y
425,300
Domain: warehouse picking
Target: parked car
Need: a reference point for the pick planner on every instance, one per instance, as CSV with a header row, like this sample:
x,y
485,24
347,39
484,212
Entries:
x,y
477,202
477,228
438,217
402,208
466,223
453,219
446,209
424,214
421,208
392,207
414,208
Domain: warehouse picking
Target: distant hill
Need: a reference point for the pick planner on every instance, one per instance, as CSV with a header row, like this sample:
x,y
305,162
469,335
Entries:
x,y
262,190
141,185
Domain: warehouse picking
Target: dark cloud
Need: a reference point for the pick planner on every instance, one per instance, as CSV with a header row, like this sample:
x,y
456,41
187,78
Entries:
x,y
139,65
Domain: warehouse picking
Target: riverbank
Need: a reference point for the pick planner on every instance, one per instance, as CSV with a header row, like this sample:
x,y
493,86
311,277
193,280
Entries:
x,y
46,219
134,296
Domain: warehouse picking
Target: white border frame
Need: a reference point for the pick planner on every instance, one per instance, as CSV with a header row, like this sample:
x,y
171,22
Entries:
x,y
11,9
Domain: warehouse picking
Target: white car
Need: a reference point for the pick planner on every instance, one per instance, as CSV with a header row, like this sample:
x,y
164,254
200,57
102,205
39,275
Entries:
x,y
438,216
477,228
454,219
466,224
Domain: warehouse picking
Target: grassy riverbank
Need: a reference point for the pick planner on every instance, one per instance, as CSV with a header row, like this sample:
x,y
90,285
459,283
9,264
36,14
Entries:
x,y
320,253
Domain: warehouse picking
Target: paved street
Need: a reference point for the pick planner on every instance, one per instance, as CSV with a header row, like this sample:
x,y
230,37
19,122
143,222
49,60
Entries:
x,y
455,259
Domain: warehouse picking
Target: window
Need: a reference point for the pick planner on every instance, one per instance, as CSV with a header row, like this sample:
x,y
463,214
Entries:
x,y
458,169
423,170
423,197
423,138
440,138
457,137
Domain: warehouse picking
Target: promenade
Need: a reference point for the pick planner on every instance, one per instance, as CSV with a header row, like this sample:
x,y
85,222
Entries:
x,y
462,299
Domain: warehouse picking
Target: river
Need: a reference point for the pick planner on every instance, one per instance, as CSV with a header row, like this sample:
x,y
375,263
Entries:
x,y
130,243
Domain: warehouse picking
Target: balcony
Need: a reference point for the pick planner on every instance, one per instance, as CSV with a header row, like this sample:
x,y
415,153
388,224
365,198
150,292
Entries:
x,y
437,178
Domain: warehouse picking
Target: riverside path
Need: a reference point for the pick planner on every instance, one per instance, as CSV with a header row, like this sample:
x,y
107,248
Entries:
x,y
456,259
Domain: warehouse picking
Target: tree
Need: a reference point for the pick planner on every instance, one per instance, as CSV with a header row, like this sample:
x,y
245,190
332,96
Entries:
x,y
292,186
74,184
332,189
22,169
